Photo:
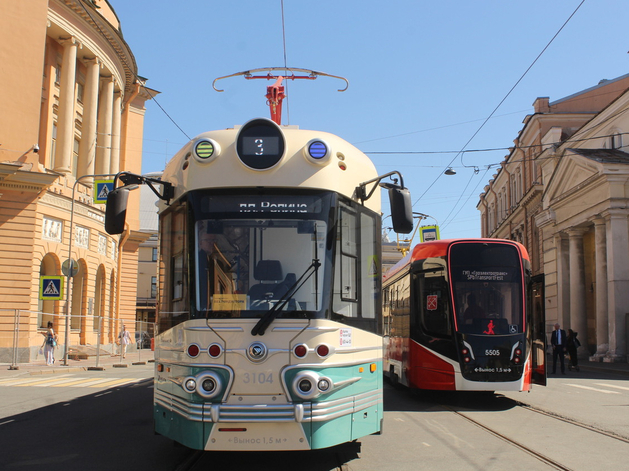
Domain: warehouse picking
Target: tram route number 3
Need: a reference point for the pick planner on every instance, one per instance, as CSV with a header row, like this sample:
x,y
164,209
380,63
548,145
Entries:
x,y
257,378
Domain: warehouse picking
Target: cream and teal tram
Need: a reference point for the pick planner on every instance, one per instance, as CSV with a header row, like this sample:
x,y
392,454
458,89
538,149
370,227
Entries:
x,y
269,334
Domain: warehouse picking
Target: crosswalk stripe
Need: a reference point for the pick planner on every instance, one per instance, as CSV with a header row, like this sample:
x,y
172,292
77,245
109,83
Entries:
x,y
604,391
612,386
69,380
14,382
43,383
117,383
80,381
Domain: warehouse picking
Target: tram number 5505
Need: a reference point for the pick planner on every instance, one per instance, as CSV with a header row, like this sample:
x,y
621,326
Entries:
x,y
492,353
257,378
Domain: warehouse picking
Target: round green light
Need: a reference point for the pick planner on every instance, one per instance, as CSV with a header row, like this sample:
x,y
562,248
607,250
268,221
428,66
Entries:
x,y
204,150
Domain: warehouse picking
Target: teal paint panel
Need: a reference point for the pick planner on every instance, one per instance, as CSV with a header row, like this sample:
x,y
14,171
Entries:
x,y
333,432
187,432
366,422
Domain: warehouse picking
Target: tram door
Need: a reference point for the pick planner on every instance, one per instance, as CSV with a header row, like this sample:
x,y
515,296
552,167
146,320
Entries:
x,y
538,326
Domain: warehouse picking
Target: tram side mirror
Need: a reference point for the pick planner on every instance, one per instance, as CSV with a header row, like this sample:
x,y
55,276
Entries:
x,y
116,210
401,210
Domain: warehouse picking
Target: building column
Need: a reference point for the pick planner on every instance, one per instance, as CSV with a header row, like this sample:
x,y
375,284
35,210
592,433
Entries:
x,y
114,164
65,119
87,148
105,109
578,316
563,280
602,317
617,283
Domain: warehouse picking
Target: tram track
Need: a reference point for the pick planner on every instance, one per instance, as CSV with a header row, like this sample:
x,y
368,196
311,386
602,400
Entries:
x,y
576,423
551,462
541,457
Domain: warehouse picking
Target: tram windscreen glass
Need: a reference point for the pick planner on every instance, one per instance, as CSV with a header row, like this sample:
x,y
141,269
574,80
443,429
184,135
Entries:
x,y
487,288
257,252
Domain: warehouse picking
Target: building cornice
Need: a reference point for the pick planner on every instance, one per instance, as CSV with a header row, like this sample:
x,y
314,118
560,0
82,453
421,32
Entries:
x,y
14,178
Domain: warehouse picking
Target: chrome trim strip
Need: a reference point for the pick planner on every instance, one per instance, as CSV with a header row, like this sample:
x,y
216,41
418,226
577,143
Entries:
x,y
259,413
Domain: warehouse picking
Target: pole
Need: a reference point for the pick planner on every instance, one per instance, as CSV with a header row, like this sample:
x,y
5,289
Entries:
x,y
16,340
100,331
71,264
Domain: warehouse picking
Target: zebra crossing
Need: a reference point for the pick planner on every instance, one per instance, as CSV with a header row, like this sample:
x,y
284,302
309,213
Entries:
x,y
66,380
603,388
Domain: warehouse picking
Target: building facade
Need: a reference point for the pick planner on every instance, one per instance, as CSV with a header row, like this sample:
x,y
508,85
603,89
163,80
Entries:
x,y
71,107
560,192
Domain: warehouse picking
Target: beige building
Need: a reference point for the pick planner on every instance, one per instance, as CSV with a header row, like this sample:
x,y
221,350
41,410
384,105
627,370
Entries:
x,y
562,191
71,104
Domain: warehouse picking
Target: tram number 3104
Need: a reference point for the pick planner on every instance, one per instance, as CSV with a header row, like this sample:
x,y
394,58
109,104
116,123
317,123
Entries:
x,y
257,378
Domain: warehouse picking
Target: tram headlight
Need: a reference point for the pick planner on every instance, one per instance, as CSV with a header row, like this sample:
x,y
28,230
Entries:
x,y
190,384
308,385
324,384
209,384
305,386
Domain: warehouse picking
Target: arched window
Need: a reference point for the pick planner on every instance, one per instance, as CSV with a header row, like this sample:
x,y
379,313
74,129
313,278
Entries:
x,y
47,308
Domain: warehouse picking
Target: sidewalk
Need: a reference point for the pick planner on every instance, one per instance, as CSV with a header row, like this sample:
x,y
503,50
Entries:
x,y
105,361
585,365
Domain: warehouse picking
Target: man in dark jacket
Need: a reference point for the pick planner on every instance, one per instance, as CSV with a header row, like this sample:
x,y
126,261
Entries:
x,y
558,341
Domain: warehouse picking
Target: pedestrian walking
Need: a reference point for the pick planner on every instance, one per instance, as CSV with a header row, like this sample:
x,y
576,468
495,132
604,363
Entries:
x,y
558,341
50,342
124,339
572,343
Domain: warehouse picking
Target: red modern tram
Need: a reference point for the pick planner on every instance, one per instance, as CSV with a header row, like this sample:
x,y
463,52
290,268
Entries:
x,y
460,315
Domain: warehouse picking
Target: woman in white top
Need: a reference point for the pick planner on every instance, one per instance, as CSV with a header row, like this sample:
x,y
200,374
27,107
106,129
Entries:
x,y
50,342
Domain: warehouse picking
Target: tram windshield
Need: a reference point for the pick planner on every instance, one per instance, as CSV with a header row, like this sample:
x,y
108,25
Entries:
x,y
253,254
487,288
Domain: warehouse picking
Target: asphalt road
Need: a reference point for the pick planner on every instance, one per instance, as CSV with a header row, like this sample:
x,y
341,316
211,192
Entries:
x,y
80,421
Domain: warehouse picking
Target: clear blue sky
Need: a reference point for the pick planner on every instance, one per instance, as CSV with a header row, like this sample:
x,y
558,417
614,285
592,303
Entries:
x,y
423,76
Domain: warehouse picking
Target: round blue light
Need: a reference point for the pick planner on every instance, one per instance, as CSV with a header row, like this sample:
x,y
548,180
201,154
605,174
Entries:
x,y
317,150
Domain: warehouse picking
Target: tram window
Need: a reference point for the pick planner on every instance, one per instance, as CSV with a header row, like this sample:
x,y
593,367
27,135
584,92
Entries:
x,y
487,288
370,279
357,282
173,292
348,246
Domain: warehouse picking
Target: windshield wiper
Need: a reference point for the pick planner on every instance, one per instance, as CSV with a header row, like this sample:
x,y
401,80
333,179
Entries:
x,y
272,313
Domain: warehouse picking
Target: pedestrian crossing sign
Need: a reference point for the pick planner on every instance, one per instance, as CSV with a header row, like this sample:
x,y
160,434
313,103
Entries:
x,y
101,190
51,288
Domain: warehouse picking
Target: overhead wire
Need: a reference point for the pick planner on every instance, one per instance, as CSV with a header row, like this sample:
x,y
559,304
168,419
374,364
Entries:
x,y
138,80
505,97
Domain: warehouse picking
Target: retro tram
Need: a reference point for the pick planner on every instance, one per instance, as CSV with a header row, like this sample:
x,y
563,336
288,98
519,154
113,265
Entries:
x,y
269,288
458,315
